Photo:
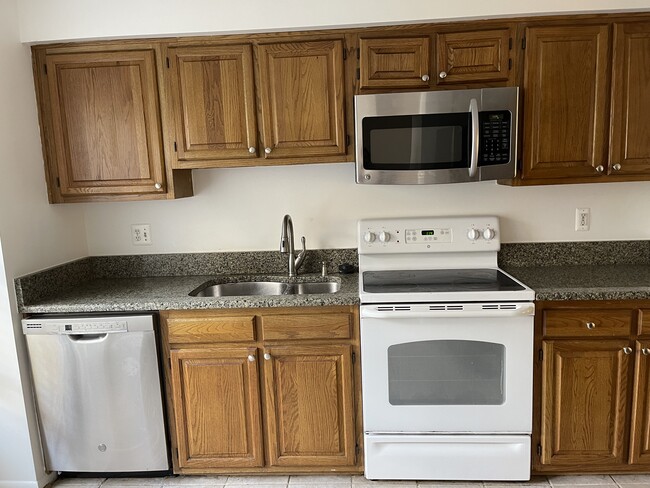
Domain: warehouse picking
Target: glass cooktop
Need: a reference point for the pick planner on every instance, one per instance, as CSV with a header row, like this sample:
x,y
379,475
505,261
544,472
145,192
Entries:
x,y
438,280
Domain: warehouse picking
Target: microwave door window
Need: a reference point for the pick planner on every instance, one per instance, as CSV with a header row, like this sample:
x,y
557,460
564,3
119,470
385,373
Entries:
x,y
416,142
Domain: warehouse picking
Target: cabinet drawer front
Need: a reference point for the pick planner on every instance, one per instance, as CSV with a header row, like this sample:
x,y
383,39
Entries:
x,y
307,326
211,329
587,323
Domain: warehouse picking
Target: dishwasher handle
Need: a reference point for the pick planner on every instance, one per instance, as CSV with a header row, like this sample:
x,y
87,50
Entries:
x,y
87,338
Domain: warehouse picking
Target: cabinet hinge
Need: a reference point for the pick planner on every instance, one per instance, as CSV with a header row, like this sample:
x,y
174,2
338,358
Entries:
x,y
354,357
45,68
358,74
509,64
539,449
58,182
175,147
167,62
523,43
358,53
510,43
540,354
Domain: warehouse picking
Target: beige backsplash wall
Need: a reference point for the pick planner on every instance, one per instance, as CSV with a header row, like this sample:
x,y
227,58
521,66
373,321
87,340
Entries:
x,y
242,209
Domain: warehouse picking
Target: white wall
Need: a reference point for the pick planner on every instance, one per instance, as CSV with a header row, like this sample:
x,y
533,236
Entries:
x,y
34,235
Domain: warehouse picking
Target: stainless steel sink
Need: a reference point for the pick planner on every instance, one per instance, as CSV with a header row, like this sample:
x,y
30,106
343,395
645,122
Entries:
x,y
251,288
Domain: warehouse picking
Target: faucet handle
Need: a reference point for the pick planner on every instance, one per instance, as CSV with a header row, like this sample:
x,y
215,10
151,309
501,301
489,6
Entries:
x,y
301,255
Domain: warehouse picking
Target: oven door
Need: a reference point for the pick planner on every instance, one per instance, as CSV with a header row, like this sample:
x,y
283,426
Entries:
x,y
447,370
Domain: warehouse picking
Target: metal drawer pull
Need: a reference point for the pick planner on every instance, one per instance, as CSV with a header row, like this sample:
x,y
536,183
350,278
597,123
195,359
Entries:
x,y
591,325
645,351
442,75
627,350
600,168
267,150
157,186
251,358
267,356
425,77
251,150
617,167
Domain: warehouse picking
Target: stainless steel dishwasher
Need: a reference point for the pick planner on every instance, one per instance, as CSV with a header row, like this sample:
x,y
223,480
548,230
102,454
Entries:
x,y
97,386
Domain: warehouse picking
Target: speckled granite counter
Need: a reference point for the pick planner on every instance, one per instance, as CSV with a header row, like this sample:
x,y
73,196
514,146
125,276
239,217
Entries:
x,y
163,282
612,270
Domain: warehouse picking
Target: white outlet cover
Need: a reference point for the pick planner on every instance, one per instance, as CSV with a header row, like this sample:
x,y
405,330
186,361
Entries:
x,y
141,234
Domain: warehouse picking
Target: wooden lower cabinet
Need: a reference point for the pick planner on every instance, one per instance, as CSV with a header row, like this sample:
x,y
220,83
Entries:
x,y
243,401
592,387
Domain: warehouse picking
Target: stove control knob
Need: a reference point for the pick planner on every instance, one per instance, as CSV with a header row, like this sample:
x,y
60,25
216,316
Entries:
x,y
473,234
369,236
488,234
384,236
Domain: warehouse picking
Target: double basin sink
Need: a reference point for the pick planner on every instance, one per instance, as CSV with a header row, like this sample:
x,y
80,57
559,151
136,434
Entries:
x,y
259,288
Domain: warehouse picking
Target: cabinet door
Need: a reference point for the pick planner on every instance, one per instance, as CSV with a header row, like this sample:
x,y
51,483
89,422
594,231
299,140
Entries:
x,y
394,62
214,104
630,128
302,99
106,122
217,408
566,92
584,401
471,57
309,406
640,424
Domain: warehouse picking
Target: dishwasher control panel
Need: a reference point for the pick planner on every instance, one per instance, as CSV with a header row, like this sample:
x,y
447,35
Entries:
x,y
86,325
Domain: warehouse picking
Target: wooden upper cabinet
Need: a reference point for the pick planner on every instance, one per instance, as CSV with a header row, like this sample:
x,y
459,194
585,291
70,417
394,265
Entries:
x,y
566,93
301,90
630,128
213,97
402,62
474,56
217,407
104,120
585,403
309,405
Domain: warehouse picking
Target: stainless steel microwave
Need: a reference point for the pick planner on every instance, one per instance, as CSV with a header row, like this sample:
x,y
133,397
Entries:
x,y
449,136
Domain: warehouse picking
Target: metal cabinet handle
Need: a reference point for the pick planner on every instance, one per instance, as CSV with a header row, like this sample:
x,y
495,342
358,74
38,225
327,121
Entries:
x,y
645,351
157,186
627,350
600,168
251,150
590,325
251,358
617,167
267,150
267,356
425,77
442,75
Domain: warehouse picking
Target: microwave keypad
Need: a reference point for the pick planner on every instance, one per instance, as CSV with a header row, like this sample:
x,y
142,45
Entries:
x,y
494,129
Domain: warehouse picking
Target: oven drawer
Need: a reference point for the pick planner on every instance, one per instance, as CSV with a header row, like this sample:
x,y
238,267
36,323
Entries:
x,y
587,323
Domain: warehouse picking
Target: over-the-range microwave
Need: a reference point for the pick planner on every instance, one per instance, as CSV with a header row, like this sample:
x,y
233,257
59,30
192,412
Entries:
x,y
449,136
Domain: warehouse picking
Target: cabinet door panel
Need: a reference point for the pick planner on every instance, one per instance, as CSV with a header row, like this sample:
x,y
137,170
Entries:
x,y
309,406
394,62
466,57
106,122
584,400
302,99
214,103
216,407
630,129
566,92
640,424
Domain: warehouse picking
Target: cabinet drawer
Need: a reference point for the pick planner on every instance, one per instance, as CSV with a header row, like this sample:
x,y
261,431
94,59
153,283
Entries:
x,y
644,322
587,323
307,326
211,329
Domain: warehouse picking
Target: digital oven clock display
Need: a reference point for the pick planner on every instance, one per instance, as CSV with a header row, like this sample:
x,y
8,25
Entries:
x,y
428,232
427,236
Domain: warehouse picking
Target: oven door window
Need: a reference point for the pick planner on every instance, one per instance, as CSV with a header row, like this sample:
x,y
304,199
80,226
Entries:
x,y
416,142
446,372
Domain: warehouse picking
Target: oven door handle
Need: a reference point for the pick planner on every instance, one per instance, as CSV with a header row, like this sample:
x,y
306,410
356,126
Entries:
x,y
458,314
473,161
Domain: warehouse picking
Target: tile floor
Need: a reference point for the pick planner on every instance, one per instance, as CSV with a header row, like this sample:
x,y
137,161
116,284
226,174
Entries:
x,y
343,481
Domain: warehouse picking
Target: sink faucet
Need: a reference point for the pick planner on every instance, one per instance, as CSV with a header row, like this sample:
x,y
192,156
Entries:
x,y
287,246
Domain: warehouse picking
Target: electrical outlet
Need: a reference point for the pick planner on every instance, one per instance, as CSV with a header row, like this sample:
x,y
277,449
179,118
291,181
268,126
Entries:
x,y
141,234
583,218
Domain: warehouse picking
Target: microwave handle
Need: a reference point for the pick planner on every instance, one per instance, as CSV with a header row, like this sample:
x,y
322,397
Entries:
x,y
473,161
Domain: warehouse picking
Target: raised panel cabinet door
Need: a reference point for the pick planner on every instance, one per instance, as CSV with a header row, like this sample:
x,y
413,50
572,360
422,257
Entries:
x,y
584,402
217,407
630,128
566,93
302,99
640,423
213,94
471,57
106,122
309,406
394,62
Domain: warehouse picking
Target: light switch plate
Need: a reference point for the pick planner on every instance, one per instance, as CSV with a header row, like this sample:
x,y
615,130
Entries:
x,y
583,219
